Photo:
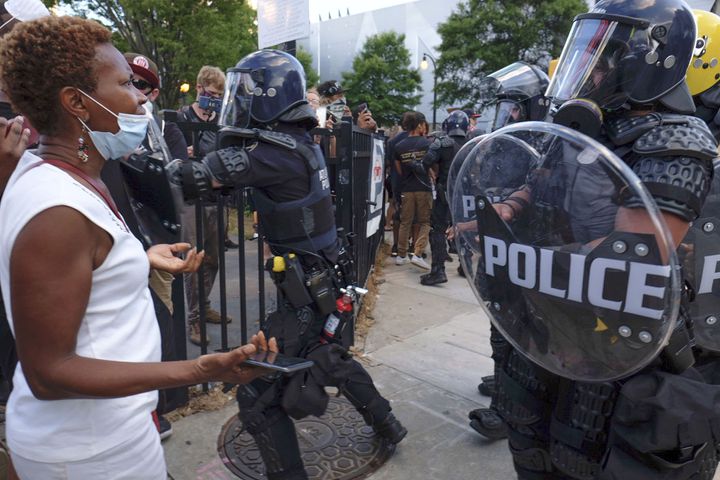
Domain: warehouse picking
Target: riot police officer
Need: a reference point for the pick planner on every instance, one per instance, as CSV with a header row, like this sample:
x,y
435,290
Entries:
x,y
438,159
265,144
620,80
518,91
703,75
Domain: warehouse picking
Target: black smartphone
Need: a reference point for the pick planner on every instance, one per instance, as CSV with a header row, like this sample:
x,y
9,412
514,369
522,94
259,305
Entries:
x,y
362,107
278,362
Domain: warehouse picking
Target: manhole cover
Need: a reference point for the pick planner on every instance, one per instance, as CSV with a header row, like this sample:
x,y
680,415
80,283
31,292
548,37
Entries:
x,y
336,446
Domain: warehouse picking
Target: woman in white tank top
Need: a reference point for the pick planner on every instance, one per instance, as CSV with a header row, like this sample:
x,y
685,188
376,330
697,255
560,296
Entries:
x,y
74,279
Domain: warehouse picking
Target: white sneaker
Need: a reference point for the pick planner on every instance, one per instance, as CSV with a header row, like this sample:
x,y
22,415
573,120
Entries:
x,y
418,261
401,260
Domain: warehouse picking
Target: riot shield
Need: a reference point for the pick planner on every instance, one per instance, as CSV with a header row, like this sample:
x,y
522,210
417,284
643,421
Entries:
x,y
457,163
561,266
155,202
699,255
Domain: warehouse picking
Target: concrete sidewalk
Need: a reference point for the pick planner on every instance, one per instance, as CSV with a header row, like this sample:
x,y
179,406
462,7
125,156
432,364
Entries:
x,y
427,350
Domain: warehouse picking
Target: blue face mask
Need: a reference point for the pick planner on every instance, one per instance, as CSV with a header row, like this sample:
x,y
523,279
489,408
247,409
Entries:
x,y
209,103
133,129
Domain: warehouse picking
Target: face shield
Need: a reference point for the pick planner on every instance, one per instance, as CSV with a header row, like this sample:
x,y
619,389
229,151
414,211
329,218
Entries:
x,y
508,112
603,61
519,79
237,100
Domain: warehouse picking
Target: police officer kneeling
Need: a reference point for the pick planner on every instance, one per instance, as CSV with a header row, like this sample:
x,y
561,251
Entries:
x,y
266,145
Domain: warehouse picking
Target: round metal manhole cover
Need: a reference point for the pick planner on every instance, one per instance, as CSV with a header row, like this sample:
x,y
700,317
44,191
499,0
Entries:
x,y
336,446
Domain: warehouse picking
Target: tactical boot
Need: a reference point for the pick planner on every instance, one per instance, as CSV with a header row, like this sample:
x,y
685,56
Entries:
x,y
488,423
213,316
487,387
391,428
194,334
434,277
433,270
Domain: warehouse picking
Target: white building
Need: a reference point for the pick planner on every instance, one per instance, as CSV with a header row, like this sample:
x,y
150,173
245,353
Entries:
x,y
335,43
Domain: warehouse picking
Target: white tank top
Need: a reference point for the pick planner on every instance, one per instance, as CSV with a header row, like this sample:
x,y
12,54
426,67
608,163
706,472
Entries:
x,y
119,324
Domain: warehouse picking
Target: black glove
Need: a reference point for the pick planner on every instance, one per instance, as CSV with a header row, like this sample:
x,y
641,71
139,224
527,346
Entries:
x,y
193,177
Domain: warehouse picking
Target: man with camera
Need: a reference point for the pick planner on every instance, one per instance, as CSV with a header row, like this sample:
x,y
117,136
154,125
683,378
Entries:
x,y
266,144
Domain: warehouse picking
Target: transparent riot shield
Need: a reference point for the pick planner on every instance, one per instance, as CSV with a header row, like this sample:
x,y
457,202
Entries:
x,y
566,251
154,200
699,254
457,163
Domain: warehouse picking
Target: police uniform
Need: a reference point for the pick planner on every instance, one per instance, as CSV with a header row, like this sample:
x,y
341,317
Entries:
x,y
440,156
519,94
292,194
663,421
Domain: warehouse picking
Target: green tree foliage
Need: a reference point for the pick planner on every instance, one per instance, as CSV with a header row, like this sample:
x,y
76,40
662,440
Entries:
x,y
482,36
305,59
382,77
179,35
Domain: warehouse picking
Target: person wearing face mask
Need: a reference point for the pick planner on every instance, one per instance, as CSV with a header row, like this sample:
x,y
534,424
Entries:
x,y
205,109
332,95
74,279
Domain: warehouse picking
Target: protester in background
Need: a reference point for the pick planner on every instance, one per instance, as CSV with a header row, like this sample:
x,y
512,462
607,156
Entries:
x,y
332,95
362,117
415,190
79,305
394,179
169,144
147,80
210,86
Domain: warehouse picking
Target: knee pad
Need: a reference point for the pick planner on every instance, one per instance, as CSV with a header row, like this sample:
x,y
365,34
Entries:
x,y
580,427
524,396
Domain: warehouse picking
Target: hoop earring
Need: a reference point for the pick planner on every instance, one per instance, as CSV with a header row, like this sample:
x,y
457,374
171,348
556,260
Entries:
x,y
82,151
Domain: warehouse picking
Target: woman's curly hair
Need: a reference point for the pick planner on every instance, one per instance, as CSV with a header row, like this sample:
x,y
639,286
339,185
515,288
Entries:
x,y
39,58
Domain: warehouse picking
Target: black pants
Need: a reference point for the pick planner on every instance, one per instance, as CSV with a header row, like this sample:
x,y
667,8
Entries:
x,y
651,425
439,223
262,413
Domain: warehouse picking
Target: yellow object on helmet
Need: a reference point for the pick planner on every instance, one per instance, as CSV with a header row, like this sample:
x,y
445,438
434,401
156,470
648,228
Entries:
x,y
704,69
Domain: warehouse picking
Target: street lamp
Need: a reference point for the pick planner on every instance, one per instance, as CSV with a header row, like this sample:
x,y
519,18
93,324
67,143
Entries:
x,y
424,66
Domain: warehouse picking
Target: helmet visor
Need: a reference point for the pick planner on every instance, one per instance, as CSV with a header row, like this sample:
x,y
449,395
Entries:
x,y
593,60
508,112
237,100
519,80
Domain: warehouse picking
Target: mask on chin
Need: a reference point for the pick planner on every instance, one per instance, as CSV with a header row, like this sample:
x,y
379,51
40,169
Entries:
x,y
112,146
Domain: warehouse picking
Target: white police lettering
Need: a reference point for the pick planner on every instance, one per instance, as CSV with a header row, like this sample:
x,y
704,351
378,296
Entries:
x,y
529,265
709,274
324,181
468,202
521,264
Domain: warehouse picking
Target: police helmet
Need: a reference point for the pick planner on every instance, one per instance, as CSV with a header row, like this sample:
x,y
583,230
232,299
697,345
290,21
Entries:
x,y
518,92
456,124
628,52
264,87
